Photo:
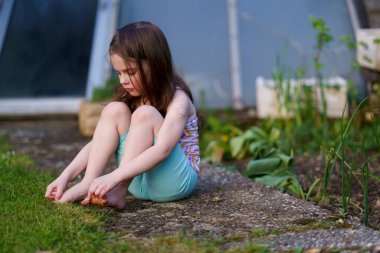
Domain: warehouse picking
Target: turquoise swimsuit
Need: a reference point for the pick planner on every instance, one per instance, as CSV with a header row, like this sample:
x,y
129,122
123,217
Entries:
x,y
172,179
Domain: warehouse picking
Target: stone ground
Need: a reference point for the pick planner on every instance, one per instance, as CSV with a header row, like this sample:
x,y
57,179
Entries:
x,y
224,205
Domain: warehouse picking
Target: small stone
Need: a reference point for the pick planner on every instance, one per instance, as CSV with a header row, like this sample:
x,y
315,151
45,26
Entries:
x,y
376,249
313,250
216,199
377,202
214,220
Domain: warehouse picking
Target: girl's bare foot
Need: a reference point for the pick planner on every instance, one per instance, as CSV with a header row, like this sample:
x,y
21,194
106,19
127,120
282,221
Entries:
x,y
75,193
116,198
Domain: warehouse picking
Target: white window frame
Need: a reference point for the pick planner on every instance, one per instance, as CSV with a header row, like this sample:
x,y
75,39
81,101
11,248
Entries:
x,y
105,27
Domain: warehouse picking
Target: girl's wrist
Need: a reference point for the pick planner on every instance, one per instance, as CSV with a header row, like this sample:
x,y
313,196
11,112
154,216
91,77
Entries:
x,y
118,175
71,172
66,176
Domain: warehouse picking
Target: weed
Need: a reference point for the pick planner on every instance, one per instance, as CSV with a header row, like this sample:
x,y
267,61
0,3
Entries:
x,y
259,232
215,139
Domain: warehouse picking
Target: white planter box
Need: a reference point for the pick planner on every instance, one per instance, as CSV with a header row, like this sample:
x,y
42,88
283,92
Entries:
x,y
268,105
367,51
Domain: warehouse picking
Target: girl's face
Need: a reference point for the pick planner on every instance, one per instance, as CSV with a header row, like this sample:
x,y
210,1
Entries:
x,y
129,74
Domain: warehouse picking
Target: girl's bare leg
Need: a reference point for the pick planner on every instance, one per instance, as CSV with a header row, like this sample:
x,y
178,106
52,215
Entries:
x,y
114,121
145,124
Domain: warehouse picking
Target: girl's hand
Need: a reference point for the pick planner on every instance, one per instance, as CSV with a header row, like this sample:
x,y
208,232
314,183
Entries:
x,y
100,186
55,189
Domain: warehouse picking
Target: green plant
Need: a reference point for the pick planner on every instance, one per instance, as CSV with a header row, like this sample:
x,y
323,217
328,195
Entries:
x,y
107,91
353,92
332,152
346,175
254,142
293,97
215,138
348,165
297,101
323,37
301,123
365,179
269,165
311,188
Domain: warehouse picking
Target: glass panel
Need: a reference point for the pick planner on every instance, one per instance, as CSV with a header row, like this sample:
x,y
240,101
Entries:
x,y
47,48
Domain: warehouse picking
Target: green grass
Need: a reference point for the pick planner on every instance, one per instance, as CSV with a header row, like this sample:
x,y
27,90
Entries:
x,y
31,223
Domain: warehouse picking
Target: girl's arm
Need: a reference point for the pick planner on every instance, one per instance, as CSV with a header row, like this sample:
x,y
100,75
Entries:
x,y
55,189
78,164
168,137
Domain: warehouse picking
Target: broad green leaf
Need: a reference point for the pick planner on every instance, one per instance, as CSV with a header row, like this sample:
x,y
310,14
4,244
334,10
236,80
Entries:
x,y
270,152
249,135
258,133
262,166
284,171
286,159
272,180
242,154
257,145
274,135
236,145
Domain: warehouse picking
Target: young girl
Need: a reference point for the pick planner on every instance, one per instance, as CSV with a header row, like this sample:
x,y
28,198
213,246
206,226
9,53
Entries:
x,y
151,127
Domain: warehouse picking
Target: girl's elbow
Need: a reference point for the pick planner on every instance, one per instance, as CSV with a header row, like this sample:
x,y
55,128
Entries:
x,y
164,153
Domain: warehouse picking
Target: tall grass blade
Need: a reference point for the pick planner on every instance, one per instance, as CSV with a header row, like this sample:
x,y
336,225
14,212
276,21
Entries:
x,y
344,182
365,172
313,185
328,172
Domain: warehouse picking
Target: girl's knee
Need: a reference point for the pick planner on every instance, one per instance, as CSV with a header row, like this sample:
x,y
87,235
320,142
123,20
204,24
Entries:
x,y
147,113
116,110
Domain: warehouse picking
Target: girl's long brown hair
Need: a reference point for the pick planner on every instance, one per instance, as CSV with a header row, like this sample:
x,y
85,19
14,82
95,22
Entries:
x,y
145,41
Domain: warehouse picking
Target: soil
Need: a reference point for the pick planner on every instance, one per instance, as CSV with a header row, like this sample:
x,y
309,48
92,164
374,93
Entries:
x,y
309,168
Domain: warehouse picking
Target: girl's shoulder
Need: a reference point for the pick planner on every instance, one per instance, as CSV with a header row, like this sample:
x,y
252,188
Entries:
x,y
180,93
181,99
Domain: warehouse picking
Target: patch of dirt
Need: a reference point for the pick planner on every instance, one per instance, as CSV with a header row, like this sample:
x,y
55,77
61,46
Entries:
x,y
310,168
52,143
